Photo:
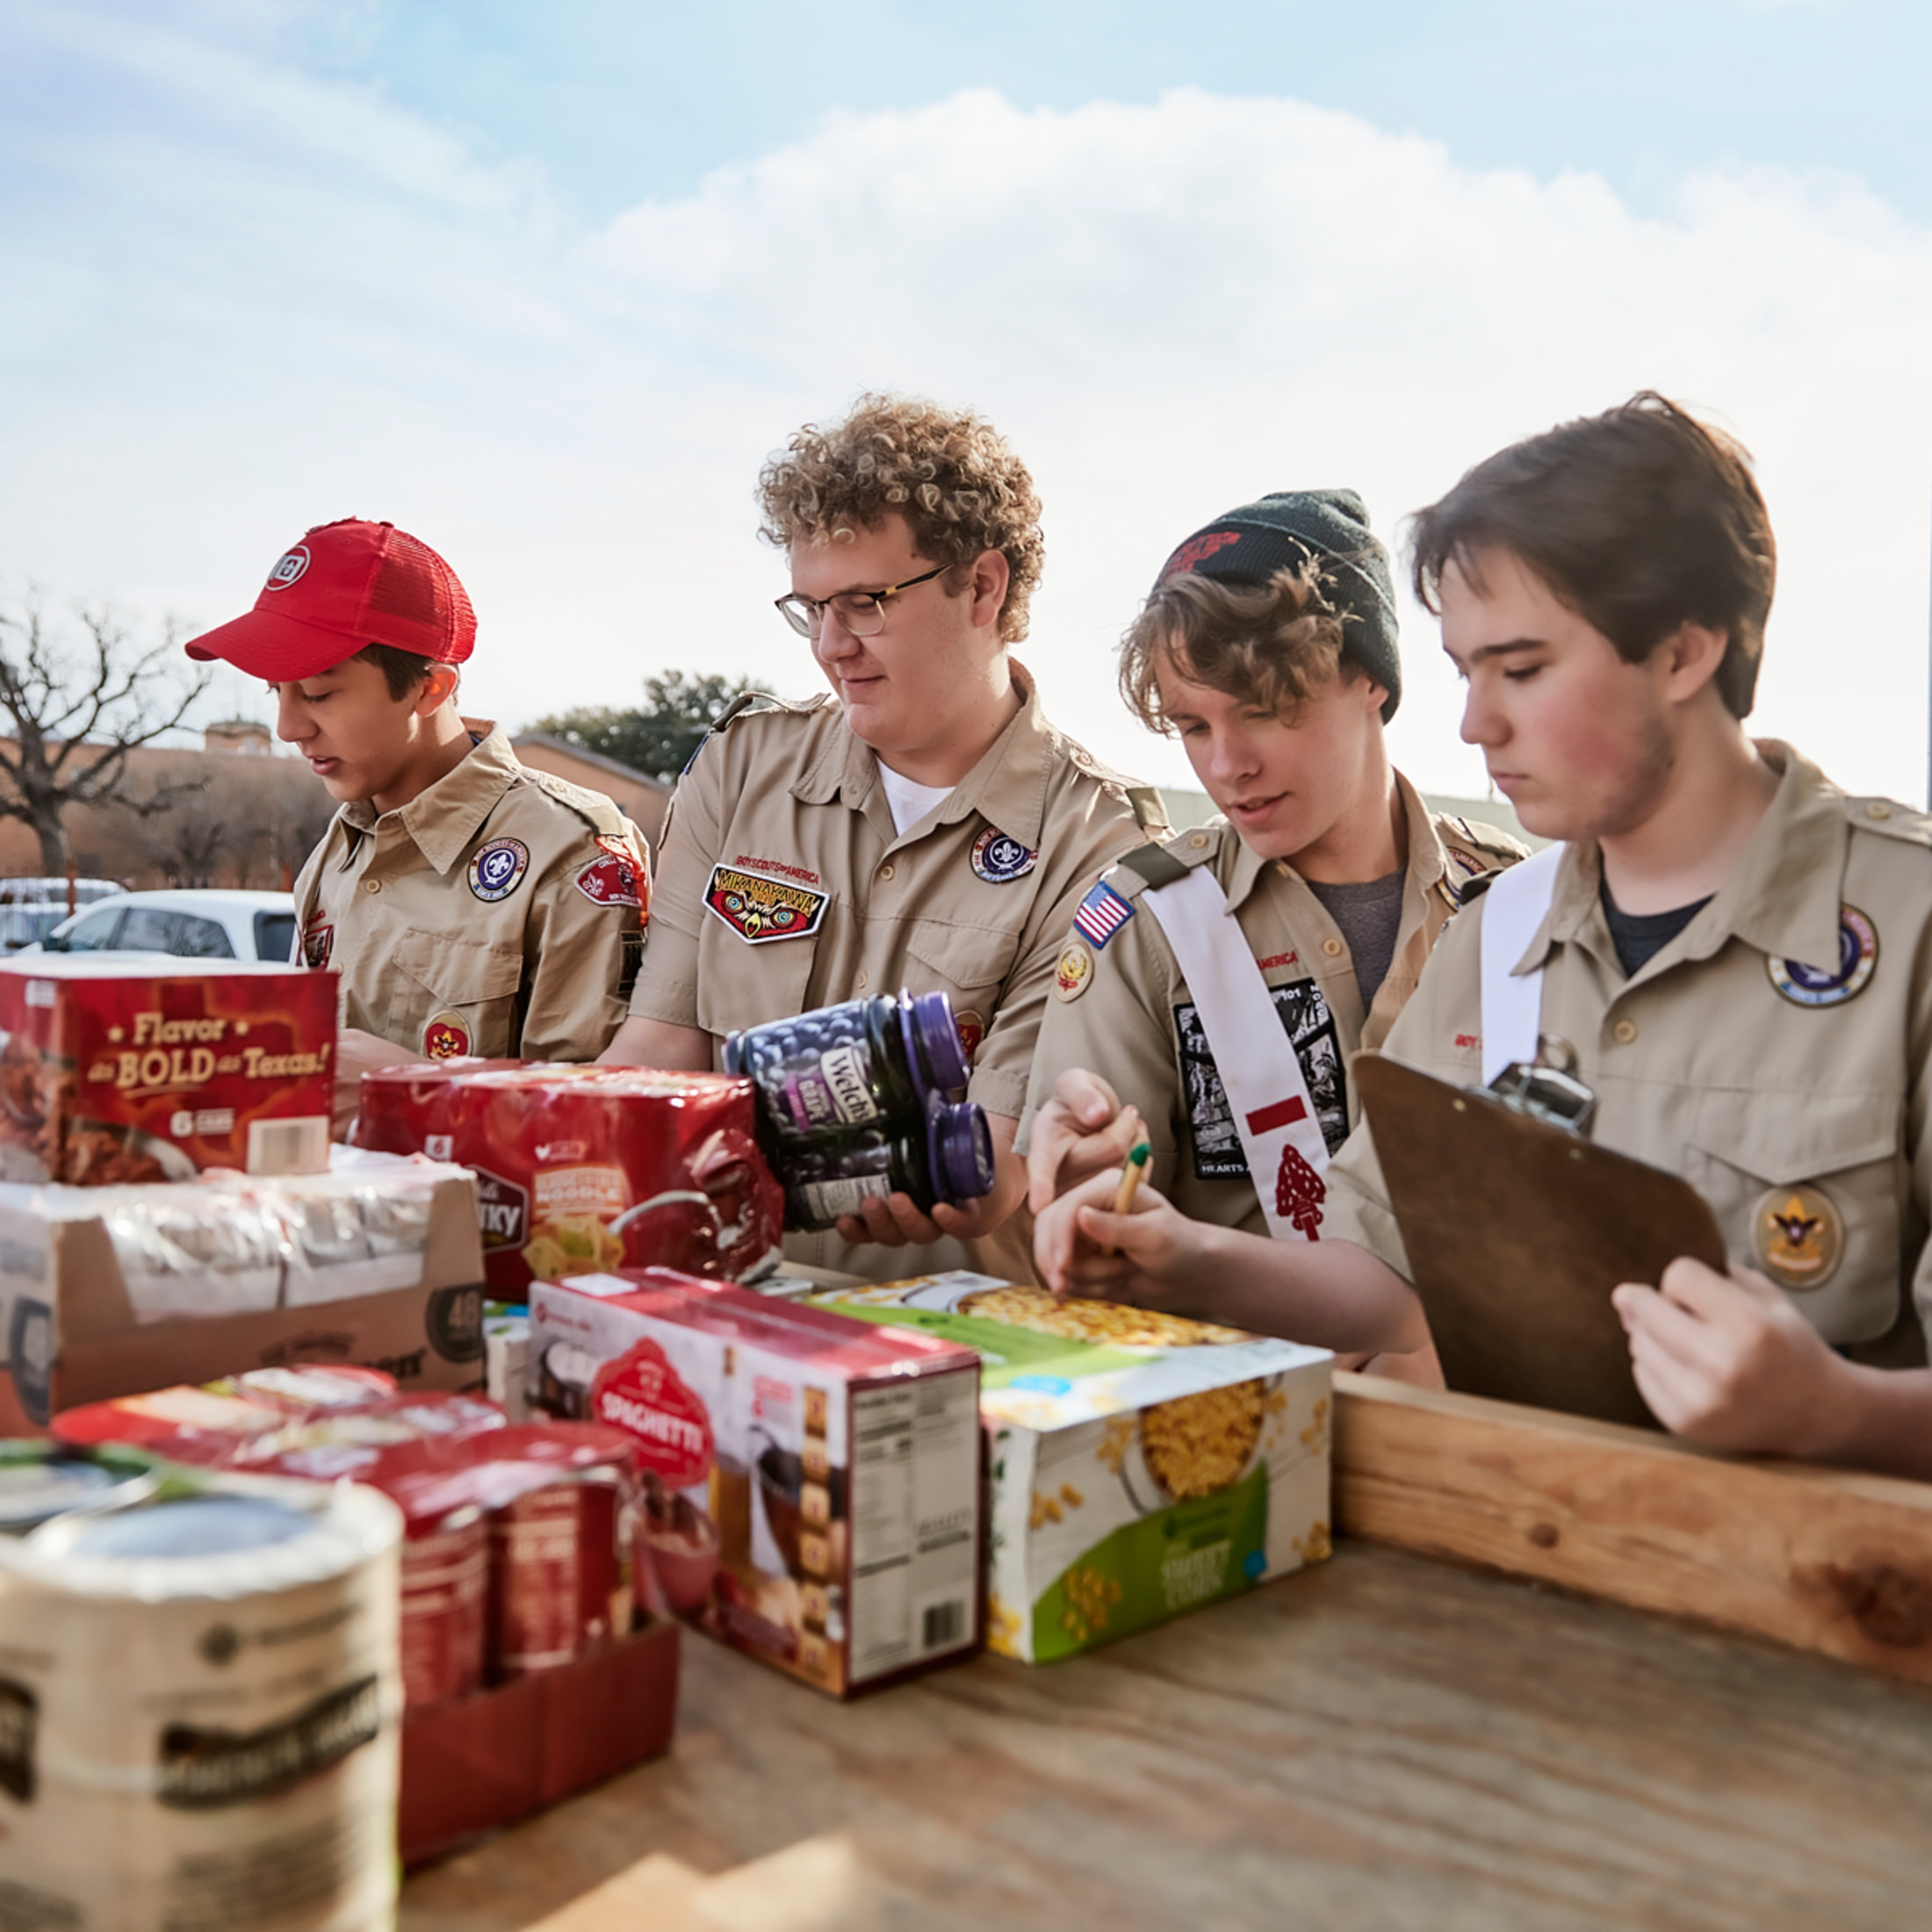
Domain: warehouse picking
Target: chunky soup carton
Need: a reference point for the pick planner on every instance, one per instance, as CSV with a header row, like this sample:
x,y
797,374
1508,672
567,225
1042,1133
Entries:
x,y
1143,1465
812,1483
114,1072
580,1169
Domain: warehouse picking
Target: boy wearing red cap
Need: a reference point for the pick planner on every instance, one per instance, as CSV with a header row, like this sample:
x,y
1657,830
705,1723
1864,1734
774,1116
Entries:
x,y
471,905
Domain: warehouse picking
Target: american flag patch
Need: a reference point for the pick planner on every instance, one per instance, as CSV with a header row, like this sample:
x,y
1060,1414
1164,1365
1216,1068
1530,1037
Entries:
x,y
1102,913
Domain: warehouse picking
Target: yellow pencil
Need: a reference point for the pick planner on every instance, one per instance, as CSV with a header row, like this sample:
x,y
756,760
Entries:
x,y
1131,1176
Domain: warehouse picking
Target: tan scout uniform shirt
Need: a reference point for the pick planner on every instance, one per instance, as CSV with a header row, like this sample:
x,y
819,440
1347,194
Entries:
x,y
1132,1020
783,885
1792,1096
498,913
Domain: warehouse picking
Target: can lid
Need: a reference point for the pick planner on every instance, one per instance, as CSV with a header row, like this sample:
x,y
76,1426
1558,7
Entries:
x,y
959,1150
931,1040
30,1492
192,1526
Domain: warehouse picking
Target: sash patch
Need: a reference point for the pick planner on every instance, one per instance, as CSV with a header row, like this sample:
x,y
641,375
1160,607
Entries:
x,y
760,910
1310,1026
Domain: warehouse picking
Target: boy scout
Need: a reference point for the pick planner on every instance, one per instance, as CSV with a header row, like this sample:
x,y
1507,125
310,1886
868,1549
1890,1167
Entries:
x,y
926,828
1269,645
471,905
1739,954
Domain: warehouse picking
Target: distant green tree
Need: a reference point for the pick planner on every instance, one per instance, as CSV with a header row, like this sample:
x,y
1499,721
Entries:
x,y
657,737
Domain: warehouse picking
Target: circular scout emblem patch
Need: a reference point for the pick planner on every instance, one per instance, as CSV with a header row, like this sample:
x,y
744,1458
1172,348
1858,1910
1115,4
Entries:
x,y
1813,986
497,868
1800,1237
1074,973
446,1037
971,1030
999,860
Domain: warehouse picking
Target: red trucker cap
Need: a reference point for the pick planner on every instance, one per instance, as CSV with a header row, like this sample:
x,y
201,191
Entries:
x,y
345,586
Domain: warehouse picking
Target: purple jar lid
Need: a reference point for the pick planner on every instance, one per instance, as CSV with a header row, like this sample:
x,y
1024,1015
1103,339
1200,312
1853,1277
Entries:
x,y
959,1147
931,1040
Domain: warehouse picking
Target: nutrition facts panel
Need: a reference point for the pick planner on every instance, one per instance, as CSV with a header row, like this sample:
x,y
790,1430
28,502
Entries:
x,y
915,1467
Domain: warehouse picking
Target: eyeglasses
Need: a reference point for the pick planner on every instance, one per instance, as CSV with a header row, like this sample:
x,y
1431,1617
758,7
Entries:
x,y
861,613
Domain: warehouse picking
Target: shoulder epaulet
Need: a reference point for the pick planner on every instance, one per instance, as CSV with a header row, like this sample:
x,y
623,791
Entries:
x,y
600,813
1889,819
1470,835
1150,808
1170,859
746,704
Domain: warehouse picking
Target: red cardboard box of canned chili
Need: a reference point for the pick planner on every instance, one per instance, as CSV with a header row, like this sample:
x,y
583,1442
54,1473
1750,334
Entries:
x,y
582,1168
112,1071
811,1483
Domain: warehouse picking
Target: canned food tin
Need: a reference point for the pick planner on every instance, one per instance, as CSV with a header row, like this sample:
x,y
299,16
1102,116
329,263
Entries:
x,y
198,1714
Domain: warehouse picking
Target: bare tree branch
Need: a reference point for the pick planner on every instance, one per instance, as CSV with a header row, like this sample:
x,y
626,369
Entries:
x,y
75,713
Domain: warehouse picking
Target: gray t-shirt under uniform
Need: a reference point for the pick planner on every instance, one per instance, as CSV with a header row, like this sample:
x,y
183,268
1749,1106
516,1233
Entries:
x,y
1370,916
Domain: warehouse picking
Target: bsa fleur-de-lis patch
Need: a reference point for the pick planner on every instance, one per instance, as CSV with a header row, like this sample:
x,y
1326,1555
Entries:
x,y
760,909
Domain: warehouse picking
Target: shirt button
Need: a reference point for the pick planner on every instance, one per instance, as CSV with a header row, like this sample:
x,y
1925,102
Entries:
x,y
1624,1032
863,979
885,870
1332,947
1198,842
1877,809
372,885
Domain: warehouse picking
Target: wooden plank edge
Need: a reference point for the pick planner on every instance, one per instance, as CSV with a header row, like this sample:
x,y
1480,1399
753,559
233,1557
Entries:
x,y
1834,1562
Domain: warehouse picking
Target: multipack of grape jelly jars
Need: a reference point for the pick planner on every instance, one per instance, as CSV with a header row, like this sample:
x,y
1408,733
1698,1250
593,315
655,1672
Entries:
x,y
854,1101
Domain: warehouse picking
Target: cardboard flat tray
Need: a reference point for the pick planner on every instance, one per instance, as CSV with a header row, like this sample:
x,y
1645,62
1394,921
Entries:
x,y
484,1761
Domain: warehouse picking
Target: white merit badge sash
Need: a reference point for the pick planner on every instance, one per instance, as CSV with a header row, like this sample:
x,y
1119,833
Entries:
x,y
1515,905
1260,1071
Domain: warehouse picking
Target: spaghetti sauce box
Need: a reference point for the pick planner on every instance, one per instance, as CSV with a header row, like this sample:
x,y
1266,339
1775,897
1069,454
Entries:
x,y
113,1071
811,1483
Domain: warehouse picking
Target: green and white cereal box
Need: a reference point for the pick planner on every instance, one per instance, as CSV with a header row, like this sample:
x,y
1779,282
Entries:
x,y
1143,1465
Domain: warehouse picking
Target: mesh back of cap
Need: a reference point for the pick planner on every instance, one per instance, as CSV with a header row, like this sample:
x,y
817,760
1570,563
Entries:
x,y
421,605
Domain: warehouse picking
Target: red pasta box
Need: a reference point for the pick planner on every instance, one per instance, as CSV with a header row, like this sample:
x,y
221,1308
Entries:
x,y
811,1483
583,1169
113,1071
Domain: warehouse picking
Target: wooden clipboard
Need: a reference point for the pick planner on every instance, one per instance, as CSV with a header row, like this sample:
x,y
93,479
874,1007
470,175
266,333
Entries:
x,y
1517,1231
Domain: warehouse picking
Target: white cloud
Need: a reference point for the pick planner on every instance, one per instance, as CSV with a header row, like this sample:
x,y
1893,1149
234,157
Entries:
x,y
289,302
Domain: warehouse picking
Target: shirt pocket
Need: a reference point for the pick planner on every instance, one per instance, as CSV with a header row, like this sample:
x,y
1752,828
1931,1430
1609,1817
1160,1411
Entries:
x,y
1834,1170
963,959
740,984
470,984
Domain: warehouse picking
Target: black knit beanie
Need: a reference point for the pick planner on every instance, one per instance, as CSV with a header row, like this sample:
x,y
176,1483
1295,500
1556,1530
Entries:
x,y
1247,545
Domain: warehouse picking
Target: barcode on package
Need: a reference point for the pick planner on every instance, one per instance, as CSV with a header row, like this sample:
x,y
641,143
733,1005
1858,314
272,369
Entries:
x,y
943,1624
299,1146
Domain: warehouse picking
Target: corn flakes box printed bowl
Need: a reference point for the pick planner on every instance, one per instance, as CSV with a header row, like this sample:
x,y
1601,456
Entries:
x,y
1143,1465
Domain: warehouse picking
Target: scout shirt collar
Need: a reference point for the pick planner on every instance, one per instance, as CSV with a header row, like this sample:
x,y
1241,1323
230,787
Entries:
x,y
1007,787
446,819
1781,896
1426,863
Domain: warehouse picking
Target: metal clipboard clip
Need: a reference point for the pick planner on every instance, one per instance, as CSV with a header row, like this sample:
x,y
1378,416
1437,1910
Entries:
x,y
1546,1088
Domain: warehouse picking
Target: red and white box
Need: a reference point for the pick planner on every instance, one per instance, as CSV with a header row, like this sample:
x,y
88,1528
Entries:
x,y
579,1169
112,1071
812,1482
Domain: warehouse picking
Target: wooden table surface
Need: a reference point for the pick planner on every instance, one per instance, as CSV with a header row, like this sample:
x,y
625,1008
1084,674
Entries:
x,y
1385,1741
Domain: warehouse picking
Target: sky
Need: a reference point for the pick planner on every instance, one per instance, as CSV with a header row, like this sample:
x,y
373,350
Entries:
x,y
545,285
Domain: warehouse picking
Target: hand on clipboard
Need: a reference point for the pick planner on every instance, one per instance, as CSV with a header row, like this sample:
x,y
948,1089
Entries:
x,y
1517,1231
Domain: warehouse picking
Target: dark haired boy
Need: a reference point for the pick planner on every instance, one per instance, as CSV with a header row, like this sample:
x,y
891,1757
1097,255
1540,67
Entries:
x,y
472,905
1739,954
1216,985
